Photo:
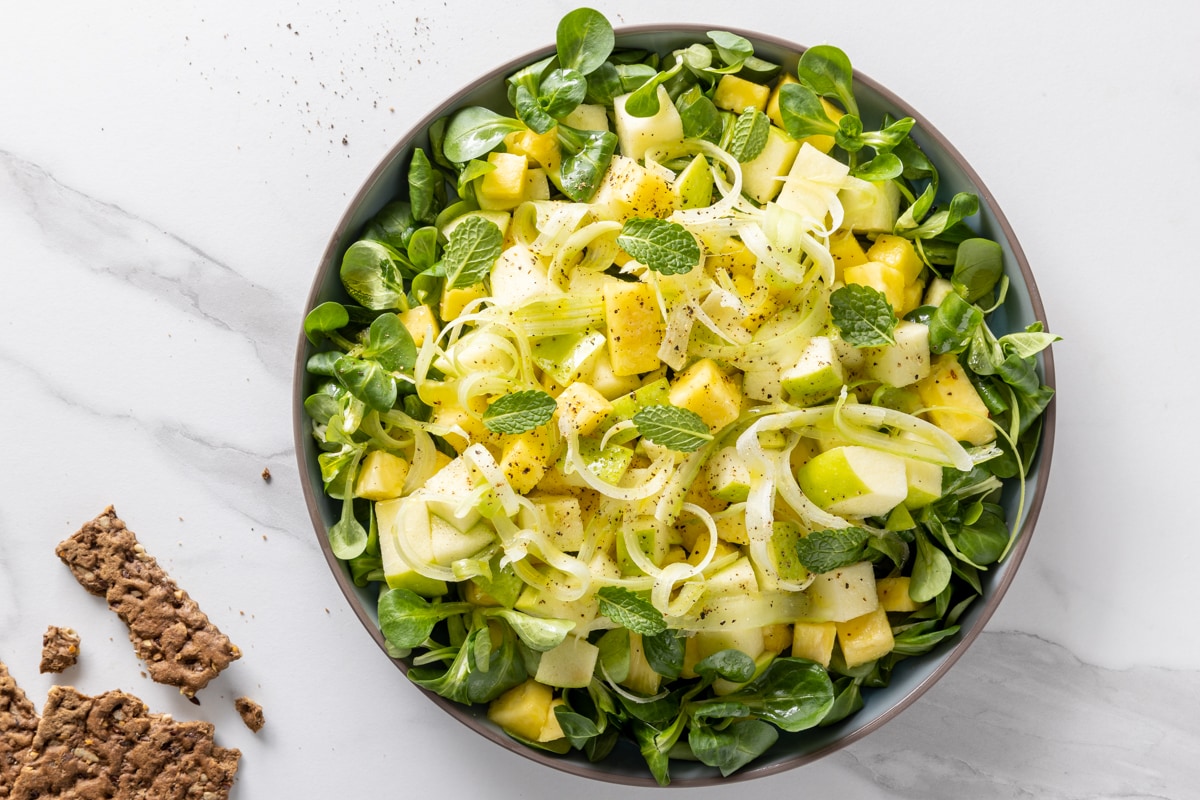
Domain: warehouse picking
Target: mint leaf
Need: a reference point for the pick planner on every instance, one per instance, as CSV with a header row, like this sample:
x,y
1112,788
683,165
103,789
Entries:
x,y
520,412
471,252
673,427
630,611
863,315
665,247
750,133
824,551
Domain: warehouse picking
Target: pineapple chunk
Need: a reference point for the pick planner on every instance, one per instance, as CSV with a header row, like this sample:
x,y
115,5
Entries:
x,y
893,594
777,637
523,710
540,148
635,327
636,135
500,219
954,404
381,476
865,638
471,426
630,190
569,665
881,278
870,207
737,94
585,407
504,187
587,117
820,141
710,393
420,323
524,458
560,517
814,641
846,252
899,254
455,300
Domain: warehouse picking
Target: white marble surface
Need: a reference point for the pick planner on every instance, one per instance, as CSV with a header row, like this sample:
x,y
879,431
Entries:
x,y
169,173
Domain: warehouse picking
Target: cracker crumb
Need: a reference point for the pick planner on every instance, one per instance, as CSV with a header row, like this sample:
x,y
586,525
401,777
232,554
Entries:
x,y
60,649
252,713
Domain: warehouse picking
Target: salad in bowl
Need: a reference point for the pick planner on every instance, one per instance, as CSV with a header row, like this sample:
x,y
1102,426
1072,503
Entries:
x,y
669,405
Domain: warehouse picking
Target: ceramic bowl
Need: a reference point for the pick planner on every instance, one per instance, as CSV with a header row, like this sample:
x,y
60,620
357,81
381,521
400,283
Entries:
x,y
912,677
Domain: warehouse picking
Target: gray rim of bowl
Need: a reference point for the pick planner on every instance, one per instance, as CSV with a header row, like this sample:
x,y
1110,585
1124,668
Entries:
x,y
301,432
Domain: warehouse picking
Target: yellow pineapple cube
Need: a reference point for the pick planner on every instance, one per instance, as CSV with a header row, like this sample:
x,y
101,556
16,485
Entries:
x,y
881,278
630,190
893,594
846,252
381,476
472,427
635,327
709,392
819,141
814,641
899,254
737,94
504,187
540,148
523,710
420,322
954,404
778,637
455,300
865,638
585,407
524,458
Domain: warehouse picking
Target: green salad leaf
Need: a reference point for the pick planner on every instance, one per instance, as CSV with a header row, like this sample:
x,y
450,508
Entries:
x,y
520,412
663,246
863,315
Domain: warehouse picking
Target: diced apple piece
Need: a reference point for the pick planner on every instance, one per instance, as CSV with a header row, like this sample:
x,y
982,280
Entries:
x,y
542,604
694,184
817,376
635,326
937,290
812,177
762,175
607,382
747,640
446,491
709,392
409,518
869,207
954,404
854,481
843,594
519,275
569,357
865,638
559,517
636,135
587,117
784,536
814,641
728,476
570,665
448,543
903,362
500,219
737,578
924,483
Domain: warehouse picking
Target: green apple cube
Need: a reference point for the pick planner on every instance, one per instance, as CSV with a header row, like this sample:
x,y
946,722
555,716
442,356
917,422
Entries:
x,y
636,135
905,362
868,206
694,184
937,290
588,117
736,579
854,481
747,640
728,476
570,357
569,665
809,182
843,594
924,483
818,373
409,518
448,544
784,536
448,494
761,176
545,605
609,464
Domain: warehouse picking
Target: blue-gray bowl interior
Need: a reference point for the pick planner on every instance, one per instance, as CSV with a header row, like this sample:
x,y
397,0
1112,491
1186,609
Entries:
x,y
911,677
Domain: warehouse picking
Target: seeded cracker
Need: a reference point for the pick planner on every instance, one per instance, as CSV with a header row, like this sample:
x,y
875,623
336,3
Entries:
x,y
60,649
108,746
18,722
168,630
